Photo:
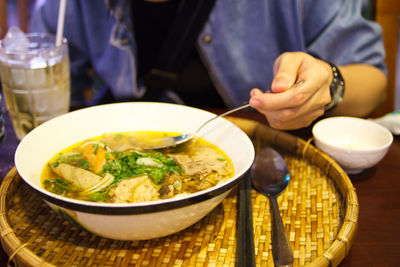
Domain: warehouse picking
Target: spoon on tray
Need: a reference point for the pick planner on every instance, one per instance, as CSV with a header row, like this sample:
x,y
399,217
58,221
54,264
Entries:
x,y
270,177
167,142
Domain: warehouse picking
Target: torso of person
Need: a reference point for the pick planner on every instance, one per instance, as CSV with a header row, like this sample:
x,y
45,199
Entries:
x,y
151,25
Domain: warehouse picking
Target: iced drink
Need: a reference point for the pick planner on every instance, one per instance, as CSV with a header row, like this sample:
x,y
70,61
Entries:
x,y
35,81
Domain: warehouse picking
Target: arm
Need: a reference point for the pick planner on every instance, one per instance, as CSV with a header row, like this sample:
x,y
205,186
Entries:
x,y
333,31
365,90
292,108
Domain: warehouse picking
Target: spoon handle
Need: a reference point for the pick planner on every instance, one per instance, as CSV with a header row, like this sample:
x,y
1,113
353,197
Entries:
x,y
224,114
298,83
281,250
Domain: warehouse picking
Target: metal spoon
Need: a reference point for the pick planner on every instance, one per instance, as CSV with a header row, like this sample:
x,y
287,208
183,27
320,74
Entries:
x,y
166,142
270,177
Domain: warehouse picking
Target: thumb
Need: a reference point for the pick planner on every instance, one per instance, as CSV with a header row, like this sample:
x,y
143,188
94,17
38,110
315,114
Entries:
x,y
285,70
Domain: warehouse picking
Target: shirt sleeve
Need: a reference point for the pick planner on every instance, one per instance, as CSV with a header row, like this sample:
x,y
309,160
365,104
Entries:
x,y
337,32
44,19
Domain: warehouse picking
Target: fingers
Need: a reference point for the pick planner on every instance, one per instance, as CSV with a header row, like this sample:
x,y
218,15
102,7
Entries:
x,y
292,109
269,101
286,68
287,121
289,116
296,107
257,100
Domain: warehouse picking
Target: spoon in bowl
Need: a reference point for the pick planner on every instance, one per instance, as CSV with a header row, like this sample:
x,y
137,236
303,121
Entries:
x,y
270,177
167,142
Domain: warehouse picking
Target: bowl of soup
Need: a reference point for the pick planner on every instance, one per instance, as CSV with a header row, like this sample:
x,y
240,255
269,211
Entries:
x,y
91,167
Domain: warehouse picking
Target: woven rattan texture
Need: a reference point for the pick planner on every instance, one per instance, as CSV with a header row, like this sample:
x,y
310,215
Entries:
x,y
312,208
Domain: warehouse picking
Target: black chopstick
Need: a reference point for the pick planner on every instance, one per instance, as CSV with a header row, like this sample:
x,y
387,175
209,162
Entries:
x,y
245,234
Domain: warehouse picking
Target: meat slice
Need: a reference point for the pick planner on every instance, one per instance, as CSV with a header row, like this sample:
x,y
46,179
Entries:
x,y
202,161
79,178
136,189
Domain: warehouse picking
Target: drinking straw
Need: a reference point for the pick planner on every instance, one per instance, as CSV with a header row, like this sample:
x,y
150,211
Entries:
x,y
60,23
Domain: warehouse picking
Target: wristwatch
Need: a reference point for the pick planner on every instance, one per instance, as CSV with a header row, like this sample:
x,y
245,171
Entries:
x,y
336,87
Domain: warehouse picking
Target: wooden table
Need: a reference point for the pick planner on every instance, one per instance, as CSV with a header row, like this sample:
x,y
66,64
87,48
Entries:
x,y
378,190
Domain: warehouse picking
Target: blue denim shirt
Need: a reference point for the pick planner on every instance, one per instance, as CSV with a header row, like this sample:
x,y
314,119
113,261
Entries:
x,y
238,44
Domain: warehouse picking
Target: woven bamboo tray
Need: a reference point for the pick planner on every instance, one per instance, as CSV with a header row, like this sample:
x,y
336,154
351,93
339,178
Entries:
x,y
319,210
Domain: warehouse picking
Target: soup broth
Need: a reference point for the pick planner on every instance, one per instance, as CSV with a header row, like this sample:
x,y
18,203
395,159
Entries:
x,y
114,168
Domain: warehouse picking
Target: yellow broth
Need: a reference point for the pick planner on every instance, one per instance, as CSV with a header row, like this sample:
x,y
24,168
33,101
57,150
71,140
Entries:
x,y
114,168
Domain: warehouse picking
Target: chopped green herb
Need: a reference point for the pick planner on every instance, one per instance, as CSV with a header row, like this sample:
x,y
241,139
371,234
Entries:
x,y
83,163
58,186
102,196
75,159
221,159
96,147
125,165
177,185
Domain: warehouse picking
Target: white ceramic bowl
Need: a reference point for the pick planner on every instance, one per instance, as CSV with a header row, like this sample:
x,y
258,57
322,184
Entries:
x,y
132,221
356,144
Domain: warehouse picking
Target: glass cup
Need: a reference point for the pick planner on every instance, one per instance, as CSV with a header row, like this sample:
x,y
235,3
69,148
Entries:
x,y
35,81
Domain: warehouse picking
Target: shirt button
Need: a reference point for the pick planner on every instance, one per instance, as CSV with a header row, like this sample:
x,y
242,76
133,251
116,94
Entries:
x,y
207,38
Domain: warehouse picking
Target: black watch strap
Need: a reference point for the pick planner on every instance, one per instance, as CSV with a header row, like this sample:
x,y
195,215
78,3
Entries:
x,y
337,87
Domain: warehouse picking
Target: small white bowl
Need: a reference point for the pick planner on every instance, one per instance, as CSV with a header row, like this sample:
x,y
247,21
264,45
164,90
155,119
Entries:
x,y
132,221
356,144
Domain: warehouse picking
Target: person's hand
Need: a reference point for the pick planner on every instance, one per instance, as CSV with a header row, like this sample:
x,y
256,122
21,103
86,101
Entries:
x,y
297,107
